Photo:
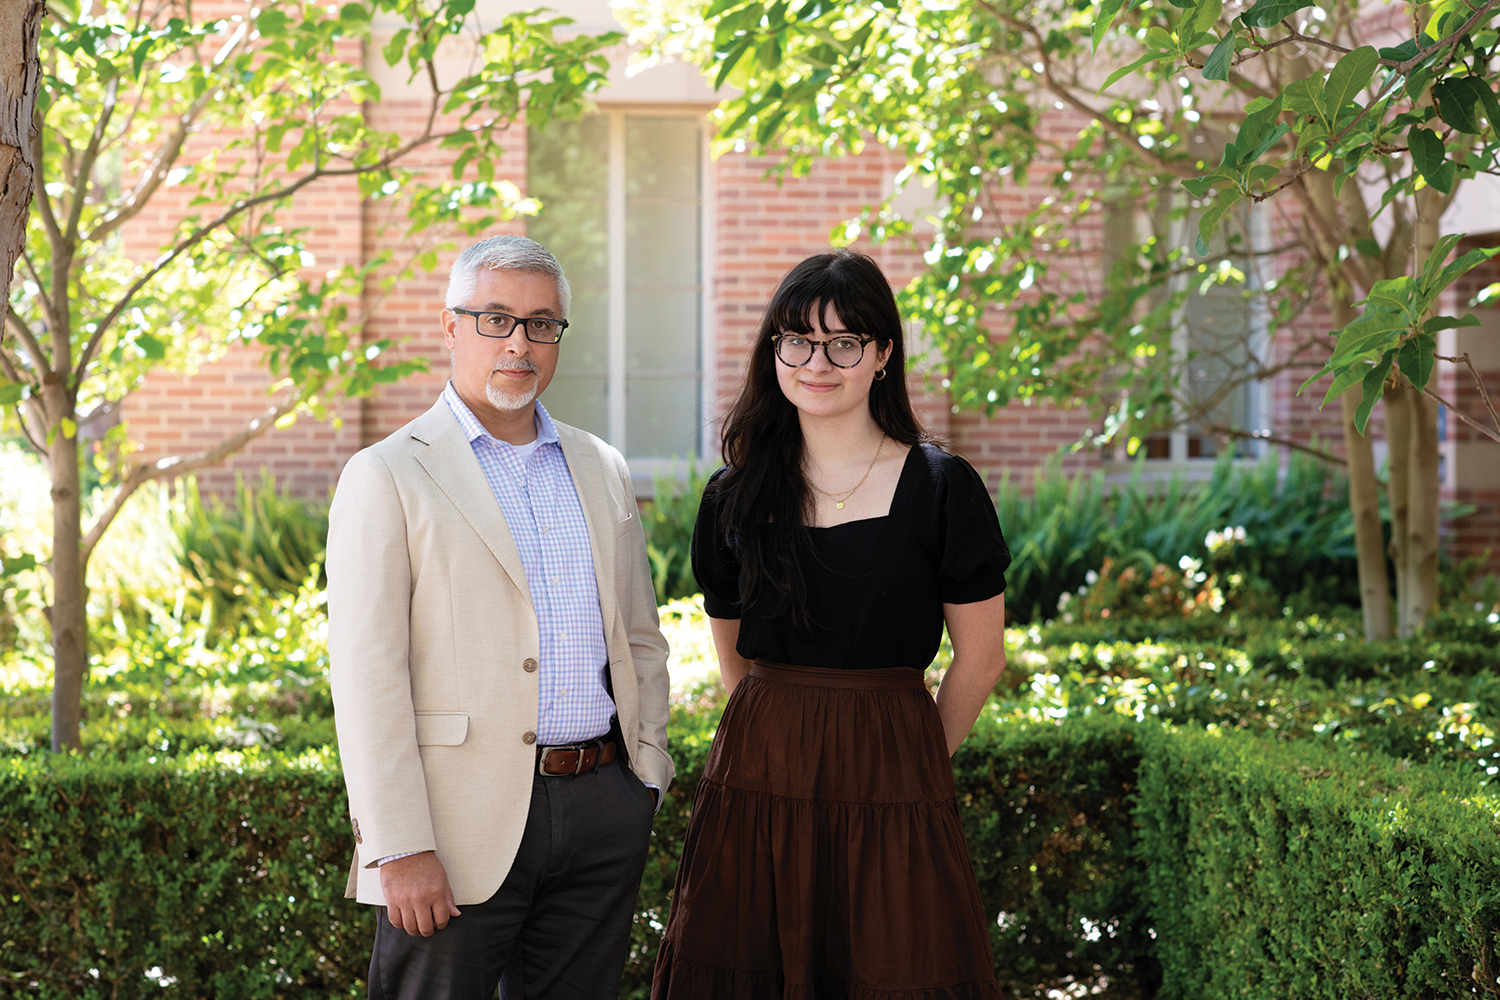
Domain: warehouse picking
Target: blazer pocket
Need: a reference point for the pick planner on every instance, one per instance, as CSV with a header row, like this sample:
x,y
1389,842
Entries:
x,y
443,729
623,523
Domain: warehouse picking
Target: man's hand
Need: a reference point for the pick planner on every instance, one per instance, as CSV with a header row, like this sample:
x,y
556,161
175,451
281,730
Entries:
x,y
418,899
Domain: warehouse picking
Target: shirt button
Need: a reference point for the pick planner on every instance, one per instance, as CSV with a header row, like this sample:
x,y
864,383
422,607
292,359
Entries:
x,y
528,665
528,738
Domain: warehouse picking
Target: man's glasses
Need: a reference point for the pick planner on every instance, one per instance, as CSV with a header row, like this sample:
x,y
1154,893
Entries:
x,y
501,325
795,350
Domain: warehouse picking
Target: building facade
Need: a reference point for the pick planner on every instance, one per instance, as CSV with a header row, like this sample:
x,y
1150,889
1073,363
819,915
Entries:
x,y
673,255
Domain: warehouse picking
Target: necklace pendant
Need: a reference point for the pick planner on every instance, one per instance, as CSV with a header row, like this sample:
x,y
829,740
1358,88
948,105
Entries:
x,y
839,505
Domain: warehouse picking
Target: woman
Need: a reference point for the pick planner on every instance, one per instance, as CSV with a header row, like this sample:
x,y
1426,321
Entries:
x,y
824,857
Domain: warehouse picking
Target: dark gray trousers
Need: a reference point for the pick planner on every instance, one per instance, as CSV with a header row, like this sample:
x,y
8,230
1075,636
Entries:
x,y
558,928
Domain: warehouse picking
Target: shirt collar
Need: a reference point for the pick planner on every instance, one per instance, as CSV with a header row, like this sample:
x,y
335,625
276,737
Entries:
x,y
546,430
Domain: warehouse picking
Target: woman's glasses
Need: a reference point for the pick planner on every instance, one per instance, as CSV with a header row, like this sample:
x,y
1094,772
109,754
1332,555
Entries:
x,y
844,351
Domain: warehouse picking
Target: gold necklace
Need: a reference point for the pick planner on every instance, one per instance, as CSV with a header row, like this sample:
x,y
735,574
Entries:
x,y
838,501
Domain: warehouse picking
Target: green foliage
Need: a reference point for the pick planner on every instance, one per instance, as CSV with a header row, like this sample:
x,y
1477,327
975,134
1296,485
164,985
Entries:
x,y
960,90
122,90
668,520
1298,532
1283,870
1103,847
267,539
211,875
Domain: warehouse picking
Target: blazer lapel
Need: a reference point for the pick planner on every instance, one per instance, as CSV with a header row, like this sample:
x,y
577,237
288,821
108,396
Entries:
x,y
592,484
449,460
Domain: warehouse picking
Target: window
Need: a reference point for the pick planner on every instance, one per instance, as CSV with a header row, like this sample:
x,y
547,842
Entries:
x,y
623,210
1220,332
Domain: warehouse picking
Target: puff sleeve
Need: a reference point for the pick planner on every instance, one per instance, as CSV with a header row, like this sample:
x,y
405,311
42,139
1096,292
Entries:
x,y
974,555
714,562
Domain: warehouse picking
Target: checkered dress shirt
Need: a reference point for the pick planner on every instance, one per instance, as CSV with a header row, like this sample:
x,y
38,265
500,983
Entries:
x,y
540,504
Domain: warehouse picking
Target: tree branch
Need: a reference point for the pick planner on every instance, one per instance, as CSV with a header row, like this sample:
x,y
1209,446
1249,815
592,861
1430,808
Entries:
x,y
1239,435
32,345
1492,435
155,174
234,211
83,177
1478,383
1066,95
178,465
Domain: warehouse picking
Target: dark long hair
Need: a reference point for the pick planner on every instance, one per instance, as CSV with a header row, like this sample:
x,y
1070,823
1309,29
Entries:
x,y
764,500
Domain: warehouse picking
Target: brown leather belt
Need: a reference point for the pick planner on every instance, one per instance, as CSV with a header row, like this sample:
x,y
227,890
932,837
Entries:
x,y
574,758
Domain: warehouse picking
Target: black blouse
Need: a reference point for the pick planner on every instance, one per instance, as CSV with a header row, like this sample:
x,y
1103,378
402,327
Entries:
x,y
881,583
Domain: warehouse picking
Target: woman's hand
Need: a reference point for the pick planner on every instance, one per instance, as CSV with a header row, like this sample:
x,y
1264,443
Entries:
x,y
732,666
977,632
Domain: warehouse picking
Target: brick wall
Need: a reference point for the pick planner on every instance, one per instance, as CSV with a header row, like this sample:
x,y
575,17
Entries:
x,y
762,229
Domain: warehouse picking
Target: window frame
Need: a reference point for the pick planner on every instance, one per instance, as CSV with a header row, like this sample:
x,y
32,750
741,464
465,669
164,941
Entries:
x,y
645,469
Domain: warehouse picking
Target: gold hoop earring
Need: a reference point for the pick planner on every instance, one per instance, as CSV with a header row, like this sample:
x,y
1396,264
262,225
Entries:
x,y
879,374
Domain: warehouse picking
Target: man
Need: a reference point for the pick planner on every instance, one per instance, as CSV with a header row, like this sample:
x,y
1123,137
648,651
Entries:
x,y
499,678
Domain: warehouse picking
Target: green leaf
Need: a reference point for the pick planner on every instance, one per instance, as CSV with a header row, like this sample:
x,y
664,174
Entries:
x,y
1305,96
1108,11
732,59
69,427
1372,385
1415,358
1268,13
1206,16
1368,248
271,23
1373,333
1150,57
1260,114
138,57
1459,100
1210,220
1216,66
11,392
1341,382
1429,156
1350,76
396,47
150,347
1449,323
1463,265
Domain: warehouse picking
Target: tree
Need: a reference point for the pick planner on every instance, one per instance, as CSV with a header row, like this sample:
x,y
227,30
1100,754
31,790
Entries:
x,y
20,24
131,95
1213,107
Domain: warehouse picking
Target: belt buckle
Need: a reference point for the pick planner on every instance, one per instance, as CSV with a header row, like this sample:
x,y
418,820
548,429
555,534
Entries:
x,y
578,748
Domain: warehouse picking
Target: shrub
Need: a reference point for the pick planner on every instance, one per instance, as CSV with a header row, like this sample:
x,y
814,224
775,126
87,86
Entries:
x,y
668,520
266,538
1190,862
1285,871
1299,534
216,875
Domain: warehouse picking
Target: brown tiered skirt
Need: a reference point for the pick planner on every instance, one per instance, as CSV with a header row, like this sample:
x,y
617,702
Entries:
x,y
824,857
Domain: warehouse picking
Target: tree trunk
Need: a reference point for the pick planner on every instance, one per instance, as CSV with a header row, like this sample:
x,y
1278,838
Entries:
x,y
1418,585
1398,432
20,76
1364,502
1421,579
68,614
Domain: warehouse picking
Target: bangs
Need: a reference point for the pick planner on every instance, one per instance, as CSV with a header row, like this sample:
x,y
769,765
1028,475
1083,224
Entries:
x,y
860,295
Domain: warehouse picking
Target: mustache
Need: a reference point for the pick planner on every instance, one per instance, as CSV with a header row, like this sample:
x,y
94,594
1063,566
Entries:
x,y
518,365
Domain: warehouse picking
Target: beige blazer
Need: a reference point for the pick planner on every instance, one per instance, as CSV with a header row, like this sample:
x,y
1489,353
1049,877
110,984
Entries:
x,y
434,649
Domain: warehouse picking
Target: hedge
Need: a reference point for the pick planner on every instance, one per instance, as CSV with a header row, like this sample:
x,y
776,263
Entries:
x,y
1177,863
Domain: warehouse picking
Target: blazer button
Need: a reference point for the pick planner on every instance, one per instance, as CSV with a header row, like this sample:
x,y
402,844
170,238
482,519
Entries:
x,y
528,665
528,738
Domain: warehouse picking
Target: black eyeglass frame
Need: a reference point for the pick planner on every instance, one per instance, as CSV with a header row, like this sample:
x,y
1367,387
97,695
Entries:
x,y
864,341
517,321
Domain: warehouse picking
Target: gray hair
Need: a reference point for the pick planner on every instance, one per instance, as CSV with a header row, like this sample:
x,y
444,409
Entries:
x,y
504,253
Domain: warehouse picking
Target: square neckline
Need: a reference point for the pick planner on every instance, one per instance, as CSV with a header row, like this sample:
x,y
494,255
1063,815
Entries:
x,y
902,483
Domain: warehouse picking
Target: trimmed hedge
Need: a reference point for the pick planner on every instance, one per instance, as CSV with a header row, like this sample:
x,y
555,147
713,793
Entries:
x,y
1176,863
